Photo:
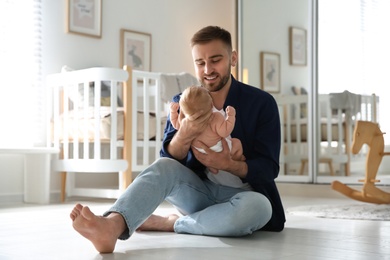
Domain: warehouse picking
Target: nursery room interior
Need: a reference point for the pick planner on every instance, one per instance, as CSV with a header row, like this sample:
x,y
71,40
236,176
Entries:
x,y
323,61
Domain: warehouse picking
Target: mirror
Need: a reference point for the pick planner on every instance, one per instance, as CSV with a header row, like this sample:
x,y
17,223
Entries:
x,y
266,29
318,110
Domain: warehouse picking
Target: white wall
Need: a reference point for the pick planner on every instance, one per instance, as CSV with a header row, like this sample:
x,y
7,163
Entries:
x,y
266,28
171,24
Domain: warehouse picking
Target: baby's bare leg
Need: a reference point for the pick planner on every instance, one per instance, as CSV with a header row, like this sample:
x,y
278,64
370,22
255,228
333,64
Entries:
x,y
103,232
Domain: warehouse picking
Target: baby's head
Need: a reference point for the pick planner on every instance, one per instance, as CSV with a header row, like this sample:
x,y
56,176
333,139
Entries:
x,y
195,98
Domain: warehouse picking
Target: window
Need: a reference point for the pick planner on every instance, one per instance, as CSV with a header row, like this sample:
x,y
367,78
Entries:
x,y
22,95
353,49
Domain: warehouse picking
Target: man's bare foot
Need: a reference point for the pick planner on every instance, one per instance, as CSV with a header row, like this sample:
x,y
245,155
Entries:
x,y
103,232
159,223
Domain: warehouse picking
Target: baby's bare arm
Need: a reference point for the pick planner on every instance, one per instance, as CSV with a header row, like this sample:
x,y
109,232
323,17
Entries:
x,y
225,126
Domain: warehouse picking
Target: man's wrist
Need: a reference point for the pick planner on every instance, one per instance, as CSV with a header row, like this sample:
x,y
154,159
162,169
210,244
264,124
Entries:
x,y
239,168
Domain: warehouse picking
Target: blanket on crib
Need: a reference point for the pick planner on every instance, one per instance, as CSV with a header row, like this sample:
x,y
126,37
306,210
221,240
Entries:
x,y
346,101
173,83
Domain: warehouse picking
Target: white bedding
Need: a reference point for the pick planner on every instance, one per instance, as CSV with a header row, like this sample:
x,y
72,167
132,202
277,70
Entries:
x,y
105,118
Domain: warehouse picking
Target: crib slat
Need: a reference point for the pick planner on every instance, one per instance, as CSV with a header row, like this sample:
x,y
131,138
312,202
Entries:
x,y
328,113
85,121
134,122
114,120
297,118
146,113
158,107
340,130
75,121
65,126
96,141
374,103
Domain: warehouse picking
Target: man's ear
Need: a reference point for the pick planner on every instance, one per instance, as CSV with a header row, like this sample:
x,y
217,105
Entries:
x,y
234,58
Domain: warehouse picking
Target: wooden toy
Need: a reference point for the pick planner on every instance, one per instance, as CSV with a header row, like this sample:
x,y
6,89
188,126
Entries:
x,y
367,133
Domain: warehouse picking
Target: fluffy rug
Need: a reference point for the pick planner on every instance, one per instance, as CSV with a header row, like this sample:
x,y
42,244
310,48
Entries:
x,y
350,211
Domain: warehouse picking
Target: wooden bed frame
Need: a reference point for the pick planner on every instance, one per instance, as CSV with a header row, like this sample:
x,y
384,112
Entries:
x,y
81,153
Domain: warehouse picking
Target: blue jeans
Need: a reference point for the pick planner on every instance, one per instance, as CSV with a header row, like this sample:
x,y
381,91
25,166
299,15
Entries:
x,y
208,208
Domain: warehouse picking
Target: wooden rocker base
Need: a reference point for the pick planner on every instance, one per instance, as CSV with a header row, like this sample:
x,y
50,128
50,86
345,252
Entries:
x,y
370,193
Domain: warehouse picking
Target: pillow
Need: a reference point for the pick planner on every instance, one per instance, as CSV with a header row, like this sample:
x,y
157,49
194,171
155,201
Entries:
x,y
301,91
105,94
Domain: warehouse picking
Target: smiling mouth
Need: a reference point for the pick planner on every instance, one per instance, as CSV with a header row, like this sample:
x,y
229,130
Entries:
x,y
210,77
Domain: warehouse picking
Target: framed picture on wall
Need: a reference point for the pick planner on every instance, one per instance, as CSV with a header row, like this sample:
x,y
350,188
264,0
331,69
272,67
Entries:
x,y
270,72
297,46
136,49
85,17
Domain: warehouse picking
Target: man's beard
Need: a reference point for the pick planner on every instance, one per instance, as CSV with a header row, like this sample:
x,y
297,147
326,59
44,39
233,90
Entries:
x,y
222,83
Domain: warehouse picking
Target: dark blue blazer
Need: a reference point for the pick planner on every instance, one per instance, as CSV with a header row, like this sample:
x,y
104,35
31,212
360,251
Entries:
x,y
258,127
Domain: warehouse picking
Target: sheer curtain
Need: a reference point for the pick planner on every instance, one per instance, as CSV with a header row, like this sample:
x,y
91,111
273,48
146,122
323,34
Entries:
x,y
353,49
22,95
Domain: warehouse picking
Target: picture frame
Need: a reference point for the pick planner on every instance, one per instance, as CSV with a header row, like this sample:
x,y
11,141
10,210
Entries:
x,y
270,72
136,49
84,17
298,49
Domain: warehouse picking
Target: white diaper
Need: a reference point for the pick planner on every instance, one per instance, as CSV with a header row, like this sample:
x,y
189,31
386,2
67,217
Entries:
x,y
217,147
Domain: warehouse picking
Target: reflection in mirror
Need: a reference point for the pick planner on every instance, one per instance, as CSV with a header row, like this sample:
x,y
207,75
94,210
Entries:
x,y
265,48
351,52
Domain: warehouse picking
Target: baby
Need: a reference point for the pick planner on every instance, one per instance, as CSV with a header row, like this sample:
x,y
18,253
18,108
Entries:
x,y
196,98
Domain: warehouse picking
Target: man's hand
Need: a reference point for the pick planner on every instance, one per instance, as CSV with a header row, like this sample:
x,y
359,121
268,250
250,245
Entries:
x,y
216,161
190,128
194,125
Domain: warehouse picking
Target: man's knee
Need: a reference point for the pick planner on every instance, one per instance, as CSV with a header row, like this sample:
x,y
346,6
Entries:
x,y
255,208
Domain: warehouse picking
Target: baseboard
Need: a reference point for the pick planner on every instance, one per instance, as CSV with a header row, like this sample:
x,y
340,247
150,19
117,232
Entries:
x,y
316,190
18,198
307,190
11,198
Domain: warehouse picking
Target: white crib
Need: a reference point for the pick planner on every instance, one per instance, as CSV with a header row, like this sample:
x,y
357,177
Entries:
x,y
99,134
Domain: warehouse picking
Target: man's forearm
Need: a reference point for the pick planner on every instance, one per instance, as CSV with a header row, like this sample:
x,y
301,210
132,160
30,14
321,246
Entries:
x,y
178,148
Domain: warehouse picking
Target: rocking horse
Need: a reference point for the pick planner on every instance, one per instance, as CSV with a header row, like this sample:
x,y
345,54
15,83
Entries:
x,y
367,133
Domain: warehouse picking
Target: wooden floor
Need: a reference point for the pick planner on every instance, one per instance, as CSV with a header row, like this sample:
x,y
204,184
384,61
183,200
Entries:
x,y
45,232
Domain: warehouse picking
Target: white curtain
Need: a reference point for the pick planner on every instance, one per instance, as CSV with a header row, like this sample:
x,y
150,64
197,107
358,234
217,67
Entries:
x,y
22,118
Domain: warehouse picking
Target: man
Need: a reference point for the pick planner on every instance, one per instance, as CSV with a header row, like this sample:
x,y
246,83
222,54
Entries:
x,y
218,196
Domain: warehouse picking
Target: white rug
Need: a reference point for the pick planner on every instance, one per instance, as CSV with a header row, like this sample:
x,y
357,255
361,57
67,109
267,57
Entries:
x,y
349,211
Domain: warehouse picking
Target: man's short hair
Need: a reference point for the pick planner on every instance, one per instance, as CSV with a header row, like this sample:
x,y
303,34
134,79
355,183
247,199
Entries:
x,y
210,33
